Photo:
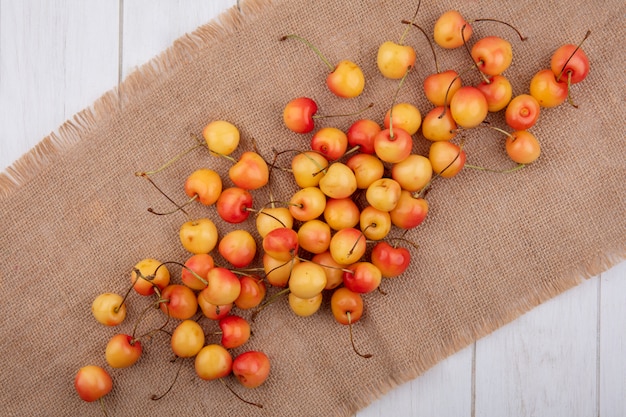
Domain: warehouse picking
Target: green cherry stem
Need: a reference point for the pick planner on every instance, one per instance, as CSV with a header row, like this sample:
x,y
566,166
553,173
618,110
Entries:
x,y
168,163
408,26
432,48
393,102
313,47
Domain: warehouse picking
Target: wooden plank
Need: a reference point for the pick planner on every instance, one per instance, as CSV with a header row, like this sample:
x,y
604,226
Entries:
x,y
56,59
612,357
544,363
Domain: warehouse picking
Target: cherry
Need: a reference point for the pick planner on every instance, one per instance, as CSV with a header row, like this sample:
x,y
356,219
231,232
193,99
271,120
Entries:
x,y
281,244
108,309
497,90
383,194
235,331
347,246
314,236
234,204
332,269
367,168
492,55
212,311
213,362
308,168
238,247
278,272
307,204
347,308
204,183
362,277
393,145
251,368
341,213
361,133
200,264
252,292
180,301
199,236
522,147
414,173
440,87
187,339
298,115
405,116
250,172
338,182
547,90
468,107
345,80
447,158
409,212
92,382
305,307
224,287
522,112
270,218
447,30
148,274
307,280
122,351
375,224
331,142
438,124
572,62
221,137
391,260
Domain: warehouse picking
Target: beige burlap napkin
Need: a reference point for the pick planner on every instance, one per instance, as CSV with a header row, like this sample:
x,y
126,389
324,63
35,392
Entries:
x,y
74,219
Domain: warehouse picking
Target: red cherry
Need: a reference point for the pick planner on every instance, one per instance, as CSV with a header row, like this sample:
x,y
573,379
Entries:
x,y
233,204
298,115
392,261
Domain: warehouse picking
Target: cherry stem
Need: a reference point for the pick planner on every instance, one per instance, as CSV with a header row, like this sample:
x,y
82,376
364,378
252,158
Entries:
x,y
270,300
143,312
503,171
238,396
569,89
326,116
406,30
470,54
558,78
212,152
103,407
395,97
432,48
521,37
421,193
403,239
313,47
445,98
191,271
168,163
178,208
158,397
367,355
272,216
328,266
163,193
361,235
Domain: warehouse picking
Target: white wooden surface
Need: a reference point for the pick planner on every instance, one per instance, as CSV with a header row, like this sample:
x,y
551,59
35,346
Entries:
x,y
565,358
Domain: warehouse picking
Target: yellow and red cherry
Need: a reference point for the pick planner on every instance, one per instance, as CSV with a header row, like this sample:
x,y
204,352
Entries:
x,y
522,112
468,107
305,307
362,277
234,205
547,90
235,331
332,269
492,55
199,236
122,351
251,368
224,287
270,218
522,147
298,115
338,182
109,309
383,194
221,137
367,168
307,280
570,63
238,247
414,173
347,246
252,292
187,339
212,311
148,274
375,224
308,168
331,142
314,236
447,30
410,211
213,362
250,172
281,244
200,264
497,91
277,272
347,309
438,124
204,183
341,213
361,133
446,158
391,260
345,80
395,59
405,116
92,382
440,87
179,301
393,145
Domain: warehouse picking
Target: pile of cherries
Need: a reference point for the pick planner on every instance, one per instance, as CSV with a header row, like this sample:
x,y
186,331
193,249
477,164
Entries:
x,y
345,227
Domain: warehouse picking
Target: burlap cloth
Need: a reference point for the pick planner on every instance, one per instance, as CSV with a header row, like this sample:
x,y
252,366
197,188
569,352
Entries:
x,y
74,219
